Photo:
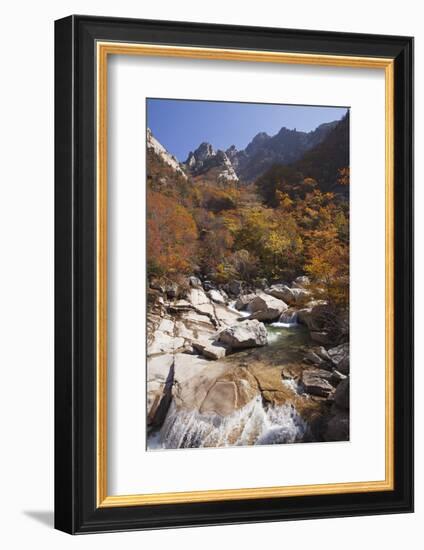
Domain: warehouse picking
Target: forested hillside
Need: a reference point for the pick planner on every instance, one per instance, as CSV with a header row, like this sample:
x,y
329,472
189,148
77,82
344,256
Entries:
x,y
292,220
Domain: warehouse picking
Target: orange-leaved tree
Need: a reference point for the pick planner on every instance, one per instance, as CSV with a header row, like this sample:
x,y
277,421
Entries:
x,y
171,236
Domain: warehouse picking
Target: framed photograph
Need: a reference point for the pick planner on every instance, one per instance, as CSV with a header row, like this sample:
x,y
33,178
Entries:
x,y
234,275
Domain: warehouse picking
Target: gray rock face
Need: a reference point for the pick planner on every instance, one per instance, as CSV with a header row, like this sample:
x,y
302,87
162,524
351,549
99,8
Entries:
x,y
266,308
205,158
317,382
247,334
285,147
154,145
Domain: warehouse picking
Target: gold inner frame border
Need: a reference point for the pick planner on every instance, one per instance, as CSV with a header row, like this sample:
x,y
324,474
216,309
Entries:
x,y
103,50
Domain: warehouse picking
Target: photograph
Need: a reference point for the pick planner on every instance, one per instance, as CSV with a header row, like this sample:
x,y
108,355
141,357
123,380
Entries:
x,y
234,269
247,273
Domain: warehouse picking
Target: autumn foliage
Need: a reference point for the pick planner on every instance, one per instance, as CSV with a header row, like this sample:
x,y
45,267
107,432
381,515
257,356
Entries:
x,y
294,220
171,236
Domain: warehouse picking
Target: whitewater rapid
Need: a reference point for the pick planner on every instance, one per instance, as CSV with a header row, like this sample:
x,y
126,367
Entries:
x,y
253,424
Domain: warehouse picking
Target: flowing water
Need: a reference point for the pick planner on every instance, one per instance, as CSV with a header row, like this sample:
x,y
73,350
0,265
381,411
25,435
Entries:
x,y
251,425
254,424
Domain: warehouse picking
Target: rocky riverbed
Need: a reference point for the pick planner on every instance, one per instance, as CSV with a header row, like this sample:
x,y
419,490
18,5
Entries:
x,y
236,366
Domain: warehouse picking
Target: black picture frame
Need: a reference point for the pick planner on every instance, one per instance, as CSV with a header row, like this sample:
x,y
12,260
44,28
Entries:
x,y
76,510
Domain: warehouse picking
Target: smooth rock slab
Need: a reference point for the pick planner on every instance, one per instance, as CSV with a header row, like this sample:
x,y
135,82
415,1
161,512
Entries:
x,y
197,297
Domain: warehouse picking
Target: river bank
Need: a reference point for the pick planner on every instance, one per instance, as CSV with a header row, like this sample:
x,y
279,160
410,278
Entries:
x,y
243,367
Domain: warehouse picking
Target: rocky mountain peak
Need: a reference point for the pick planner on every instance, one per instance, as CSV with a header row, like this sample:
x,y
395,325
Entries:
x,y
154,145
231,152
285,147
204,151
205,158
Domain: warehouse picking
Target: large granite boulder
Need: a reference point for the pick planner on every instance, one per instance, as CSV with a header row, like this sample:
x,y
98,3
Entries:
x,y
247,334
266,308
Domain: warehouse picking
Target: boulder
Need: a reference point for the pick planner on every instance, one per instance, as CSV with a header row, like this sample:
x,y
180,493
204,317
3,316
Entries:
x,y
343,366
322,352
330,326
266,308
317,382
214,351
195,282
197,321
341,397
301,282
225,316
338,426
229,392
339,355
292,296
337,377
243,301
313,315
312,356
216,296
247,334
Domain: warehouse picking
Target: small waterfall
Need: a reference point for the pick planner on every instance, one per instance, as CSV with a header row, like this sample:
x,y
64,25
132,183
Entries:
x,y
251,425
287,319
232,307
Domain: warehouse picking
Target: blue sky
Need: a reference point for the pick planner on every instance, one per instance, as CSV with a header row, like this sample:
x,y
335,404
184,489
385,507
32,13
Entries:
x,y
181,125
